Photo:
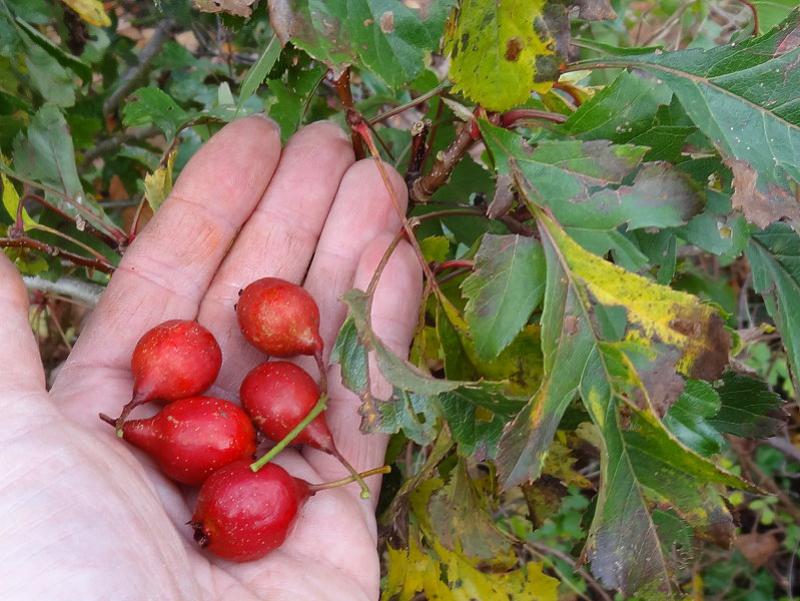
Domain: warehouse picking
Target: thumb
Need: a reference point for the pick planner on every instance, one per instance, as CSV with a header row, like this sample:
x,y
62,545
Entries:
x,y
20,365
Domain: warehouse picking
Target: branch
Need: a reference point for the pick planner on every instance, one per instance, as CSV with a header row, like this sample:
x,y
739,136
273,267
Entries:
x,y
74,288
342,85
785,447
111,144
133,75
419,150
404,107
53,251
424,187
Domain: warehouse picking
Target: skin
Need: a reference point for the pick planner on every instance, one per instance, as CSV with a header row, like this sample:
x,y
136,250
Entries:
x,y
89,517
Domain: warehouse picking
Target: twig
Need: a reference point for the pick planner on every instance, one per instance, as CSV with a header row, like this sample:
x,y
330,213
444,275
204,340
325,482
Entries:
x,y
512,117
25,242
109,145
74,288
133,75
404,107
784,446
544,552
342,86
419,150
87,227
90,216
454,264
424,187
753,10
763,479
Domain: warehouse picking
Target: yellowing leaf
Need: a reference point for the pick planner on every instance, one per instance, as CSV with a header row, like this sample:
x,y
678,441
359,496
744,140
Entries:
x,y
91,11
494,48
158,185
657,313
11,203
448,576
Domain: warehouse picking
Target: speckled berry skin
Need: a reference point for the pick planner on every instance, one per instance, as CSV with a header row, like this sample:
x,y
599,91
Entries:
x,y
279,318
278,395
174,360
242,515
191,438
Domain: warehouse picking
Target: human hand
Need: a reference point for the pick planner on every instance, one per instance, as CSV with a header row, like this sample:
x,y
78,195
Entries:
x,y
87,517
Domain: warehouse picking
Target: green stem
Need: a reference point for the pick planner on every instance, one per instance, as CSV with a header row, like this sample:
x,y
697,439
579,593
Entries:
x,y
384,469
321,405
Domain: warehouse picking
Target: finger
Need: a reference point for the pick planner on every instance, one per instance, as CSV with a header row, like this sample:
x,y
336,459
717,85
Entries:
x,y
279,238
394,317
19,354
363,210
165,273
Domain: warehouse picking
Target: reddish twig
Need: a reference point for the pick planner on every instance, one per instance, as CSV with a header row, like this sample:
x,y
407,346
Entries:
x,y
424,187
454,264
753,10
570,91
25,242
514,116
419,150
345,93
86,227
404,107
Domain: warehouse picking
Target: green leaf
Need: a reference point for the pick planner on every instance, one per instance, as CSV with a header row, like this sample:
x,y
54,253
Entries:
x,y
743,97
259,71
151,105
561,170
642,466
435,248
386,37
63,57
503,290
290,100
47,154
772,12
50,79
774,256
494,49
748,408
620,111
688,418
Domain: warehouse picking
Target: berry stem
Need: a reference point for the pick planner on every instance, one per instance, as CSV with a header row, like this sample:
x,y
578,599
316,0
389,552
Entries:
x,y
137,399
353,473
321,405
323,373
384,469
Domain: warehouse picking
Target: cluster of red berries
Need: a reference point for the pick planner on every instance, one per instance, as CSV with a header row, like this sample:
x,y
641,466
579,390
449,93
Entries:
x,y
244,510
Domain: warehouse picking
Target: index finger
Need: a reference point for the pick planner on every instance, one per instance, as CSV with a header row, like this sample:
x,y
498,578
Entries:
x,y
168,268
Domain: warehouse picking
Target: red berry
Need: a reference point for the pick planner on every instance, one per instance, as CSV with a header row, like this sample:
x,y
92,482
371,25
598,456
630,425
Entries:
x,y
176,359
279,318
192,437
242,515
278,395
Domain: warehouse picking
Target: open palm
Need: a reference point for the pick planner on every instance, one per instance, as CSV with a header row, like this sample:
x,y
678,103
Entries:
x,y
86,517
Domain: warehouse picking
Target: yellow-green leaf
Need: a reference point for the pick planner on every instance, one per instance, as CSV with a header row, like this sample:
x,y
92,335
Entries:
x,y
449,576
158,185
656,314
91,11
11,203
494,47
